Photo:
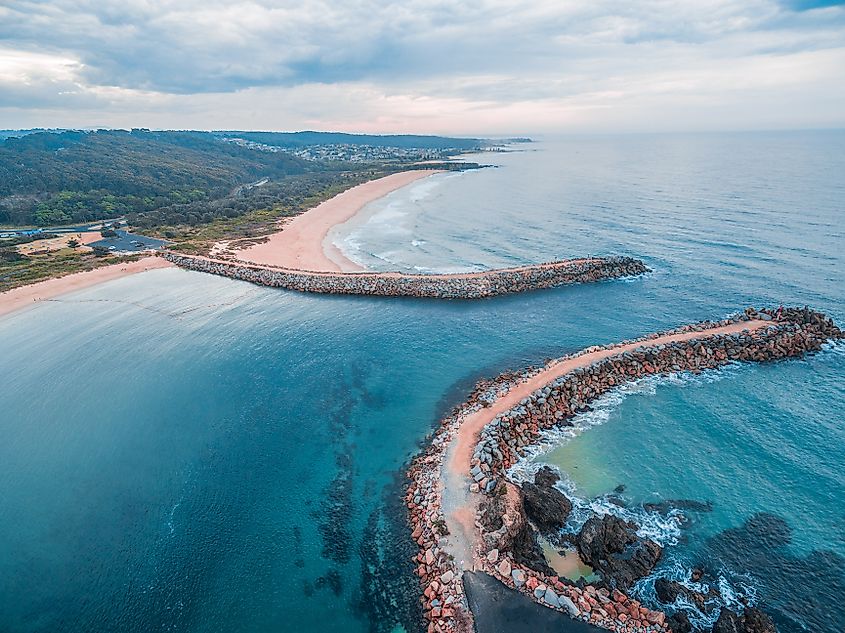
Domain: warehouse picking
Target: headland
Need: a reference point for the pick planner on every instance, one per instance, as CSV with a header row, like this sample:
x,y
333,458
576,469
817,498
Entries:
x,y
466,515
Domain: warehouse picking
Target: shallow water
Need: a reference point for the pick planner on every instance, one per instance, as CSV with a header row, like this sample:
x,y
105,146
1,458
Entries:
x,y
188,453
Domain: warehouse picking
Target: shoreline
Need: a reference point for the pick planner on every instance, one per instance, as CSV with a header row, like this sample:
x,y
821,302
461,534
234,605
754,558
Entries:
x,y
459,491
304,242
19,298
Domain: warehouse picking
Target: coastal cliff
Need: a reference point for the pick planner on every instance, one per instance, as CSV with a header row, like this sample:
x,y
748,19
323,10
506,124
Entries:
x,y
453,286
503,527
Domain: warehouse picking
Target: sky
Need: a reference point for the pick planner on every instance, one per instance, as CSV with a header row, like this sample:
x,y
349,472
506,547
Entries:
x,y
475,67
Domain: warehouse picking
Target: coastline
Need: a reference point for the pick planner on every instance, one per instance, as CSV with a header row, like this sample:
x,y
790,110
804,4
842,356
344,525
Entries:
x,y
304,243
19,298
467,516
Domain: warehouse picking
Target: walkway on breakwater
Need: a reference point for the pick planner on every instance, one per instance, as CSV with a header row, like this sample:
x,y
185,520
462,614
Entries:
x,y
466,516
459,504
473,285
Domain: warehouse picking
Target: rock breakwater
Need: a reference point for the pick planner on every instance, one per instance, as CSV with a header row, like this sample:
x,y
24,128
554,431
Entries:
x,y
505,543
452,286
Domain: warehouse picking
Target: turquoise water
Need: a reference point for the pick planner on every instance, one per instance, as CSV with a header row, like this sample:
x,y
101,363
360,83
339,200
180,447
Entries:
x,y
188,453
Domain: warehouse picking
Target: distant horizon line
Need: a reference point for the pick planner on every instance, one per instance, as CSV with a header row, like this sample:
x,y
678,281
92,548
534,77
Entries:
x,y
468,136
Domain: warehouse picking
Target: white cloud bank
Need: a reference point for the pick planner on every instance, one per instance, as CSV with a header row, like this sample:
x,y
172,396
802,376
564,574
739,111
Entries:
x,y
488,67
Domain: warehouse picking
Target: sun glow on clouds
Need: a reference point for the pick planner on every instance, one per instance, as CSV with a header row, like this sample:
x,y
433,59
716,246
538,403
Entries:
x,y
30,68
493,66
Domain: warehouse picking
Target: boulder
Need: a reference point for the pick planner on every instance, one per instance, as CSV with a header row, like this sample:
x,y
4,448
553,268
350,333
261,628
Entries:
x,y
755,621
667,590
612,547
526,551
679,623
728,622
546,506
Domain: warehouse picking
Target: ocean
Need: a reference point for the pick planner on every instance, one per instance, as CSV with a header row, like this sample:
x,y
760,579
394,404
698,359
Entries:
x,y
183,452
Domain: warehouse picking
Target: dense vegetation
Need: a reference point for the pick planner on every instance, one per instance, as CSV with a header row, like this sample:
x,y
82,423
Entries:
x,y
163,178
67,177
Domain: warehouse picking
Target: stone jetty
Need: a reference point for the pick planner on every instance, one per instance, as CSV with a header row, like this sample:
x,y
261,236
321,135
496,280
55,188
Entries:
x,y
451,286
500,518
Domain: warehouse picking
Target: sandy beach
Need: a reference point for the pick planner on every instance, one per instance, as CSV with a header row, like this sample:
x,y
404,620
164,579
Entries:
x,y
302,243
459,505
18,298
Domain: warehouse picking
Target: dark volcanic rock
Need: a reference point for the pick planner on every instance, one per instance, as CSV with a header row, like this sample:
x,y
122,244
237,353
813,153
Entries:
x,y
752,621
527,552
611,547
546,506
667,590
728,622
679,623
756,621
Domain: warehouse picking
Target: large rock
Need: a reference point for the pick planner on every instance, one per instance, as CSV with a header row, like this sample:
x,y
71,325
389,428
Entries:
x,y
546,506
668,591
752,621
679,623
527,552
611,547
756,621
728,622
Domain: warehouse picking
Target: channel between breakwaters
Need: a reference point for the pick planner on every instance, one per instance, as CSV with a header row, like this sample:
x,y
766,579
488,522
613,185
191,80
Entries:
x,y
392,284
464,513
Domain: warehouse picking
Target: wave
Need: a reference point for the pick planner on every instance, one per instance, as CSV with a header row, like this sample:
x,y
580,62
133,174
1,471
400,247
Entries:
x,y
735,592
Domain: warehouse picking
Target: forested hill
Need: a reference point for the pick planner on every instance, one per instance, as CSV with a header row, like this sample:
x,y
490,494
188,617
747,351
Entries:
x,y
402,141
72,176
171,177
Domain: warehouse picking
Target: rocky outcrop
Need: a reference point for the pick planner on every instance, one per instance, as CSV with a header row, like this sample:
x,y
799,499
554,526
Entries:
x,y
546,506
679,623
459,286
751,621
612,547
669,590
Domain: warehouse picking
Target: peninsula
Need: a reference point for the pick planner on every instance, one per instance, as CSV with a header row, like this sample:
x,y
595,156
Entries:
x,y
466,514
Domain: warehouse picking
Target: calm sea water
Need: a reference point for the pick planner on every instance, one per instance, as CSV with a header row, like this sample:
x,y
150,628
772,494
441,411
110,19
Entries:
x,y
188,453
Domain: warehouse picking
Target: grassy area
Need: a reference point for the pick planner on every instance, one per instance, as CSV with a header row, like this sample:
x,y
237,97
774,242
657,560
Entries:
x,y
253,224
55,264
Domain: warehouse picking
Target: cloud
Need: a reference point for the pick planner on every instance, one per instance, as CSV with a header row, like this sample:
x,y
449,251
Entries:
x,y
122,57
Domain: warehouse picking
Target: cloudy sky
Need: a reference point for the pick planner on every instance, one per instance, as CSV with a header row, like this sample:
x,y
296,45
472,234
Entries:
x,y
441,66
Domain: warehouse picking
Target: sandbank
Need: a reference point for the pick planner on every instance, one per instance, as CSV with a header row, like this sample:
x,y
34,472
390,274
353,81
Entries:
x,y
303,245
17,298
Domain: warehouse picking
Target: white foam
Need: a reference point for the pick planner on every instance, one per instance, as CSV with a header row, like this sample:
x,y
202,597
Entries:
x,y
735,592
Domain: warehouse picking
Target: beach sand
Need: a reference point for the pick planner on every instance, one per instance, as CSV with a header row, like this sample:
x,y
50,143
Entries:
x,y
457,501
18,298
303,245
